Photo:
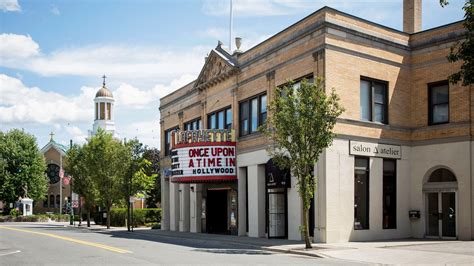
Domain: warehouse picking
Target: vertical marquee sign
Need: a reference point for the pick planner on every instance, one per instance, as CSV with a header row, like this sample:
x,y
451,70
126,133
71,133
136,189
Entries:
x,y
200,156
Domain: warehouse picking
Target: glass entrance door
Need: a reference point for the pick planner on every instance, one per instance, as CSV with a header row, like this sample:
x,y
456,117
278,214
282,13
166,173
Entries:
x,y
276,215
441,220
448,210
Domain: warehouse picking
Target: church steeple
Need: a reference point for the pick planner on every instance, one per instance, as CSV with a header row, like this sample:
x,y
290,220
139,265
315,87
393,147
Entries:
x,y
104,110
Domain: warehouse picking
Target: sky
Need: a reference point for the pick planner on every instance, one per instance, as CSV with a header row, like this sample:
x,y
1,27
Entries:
x,y
53,53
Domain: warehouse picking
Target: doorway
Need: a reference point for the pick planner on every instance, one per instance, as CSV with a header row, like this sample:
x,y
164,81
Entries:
x,y
441,204
441,214
216,212
277,205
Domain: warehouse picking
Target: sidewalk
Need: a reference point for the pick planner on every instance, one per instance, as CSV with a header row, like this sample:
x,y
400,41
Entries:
x,y
406,251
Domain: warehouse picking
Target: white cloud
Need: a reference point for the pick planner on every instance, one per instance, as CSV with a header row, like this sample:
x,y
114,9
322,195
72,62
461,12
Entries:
x,y
124,61
10,6
132,97
76,133
14,48
22,104
148,132
55,10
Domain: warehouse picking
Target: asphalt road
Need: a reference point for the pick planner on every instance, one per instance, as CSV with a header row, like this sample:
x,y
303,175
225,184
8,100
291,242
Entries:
x,y
44,244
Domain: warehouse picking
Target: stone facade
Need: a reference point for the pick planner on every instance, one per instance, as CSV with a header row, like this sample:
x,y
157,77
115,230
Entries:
x,y
342,49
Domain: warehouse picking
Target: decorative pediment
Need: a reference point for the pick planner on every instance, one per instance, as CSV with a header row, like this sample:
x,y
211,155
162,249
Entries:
x,y
218,67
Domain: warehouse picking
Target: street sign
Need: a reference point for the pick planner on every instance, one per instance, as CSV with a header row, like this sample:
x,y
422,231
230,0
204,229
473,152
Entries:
x,y
75,203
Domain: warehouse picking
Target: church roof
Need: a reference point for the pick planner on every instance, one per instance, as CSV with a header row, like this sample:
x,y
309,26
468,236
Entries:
x,y
53,144
104,92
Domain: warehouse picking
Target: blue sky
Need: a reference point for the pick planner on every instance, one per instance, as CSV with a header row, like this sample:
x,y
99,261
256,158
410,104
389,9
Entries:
x,y
53,53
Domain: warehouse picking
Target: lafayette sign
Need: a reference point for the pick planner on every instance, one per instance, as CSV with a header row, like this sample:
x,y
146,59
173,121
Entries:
x,y
375,149
199,156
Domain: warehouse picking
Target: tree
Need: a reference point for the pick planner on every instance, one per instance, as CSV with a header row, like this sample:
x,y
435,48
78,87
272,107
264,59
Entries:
x,y
138,178
22,167
154,194
76,165
464,49
108,161
299,128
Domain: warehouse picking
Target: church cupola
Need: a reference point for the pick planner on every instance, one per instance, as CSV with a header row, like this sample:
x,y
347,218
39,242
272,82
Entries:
x,y
104,110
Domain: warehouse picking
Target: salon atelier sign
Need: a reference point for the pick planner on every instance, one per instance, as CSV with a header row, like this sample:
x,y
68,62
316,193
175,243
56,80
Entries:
x,y
375,149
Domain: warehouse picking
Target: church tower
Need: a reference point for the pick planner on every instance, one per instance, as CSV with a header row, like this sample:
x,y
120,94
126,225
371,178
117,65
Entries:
x,y
104,110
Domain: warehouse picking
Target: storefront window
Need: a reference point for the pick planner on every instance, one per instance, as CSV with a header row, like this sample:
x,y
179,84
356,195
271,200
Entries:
x,y
389,194
361,193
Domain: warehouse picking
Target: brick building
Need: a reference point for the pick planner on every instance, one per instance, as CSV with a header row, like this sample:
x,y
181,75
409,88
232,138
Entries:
x,y
400,166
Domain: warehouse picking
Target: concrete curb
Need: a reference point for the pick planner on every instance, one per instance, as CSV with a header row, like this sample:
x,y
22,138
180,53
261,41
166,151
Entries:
x,y
296,252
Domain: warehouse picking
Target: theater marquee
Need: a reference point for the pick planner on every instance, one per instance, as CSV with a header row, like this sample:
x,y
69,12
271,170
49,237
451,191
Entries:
x,y
200,156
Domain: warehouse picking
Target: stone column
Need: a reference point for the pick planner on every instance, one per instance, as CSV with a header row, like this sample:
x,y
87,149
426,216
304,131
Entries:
x,y
165,203
256,193
295,215
184,208
196,207
242,201
174,206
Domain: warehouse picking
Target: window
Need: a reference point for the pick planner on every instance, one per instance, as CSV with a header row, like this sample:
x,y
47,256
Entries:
x,y
297,82
442,175
168,140
438,102
51,201
109,111
193,125
221,119
373,101
58,201
102,111
253,113
361,193
389,194
96,111
45,202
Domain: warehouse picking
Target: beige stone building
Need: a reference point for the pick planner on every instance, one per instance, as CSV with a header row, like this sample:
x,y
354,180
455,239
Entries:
x,y
400,166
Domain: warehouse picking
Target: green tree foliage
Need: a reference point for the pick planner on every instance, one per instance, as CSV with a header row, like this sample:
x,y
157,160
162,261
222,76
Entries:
x,y
154,194
138,179
22,167
299,128
464,49
108,161
77,166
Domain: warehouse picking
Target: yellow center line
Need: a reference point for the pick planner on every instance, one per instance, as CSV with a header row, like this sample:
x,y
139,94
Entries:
x,y
87,243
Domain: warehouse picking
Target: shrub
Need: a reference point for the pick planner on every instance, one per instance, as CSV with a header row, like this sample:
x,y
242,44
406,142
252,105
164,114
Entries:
x,y
140,216
156,226
14,212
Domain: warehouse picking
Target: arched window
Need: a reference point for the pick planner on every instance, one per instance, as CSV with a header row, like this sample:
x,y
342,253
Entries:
x,y
442,175
58,201
51,201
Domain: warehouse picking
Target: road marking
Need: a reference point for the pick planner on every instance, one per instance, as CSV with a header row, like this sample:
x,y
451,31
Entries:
x,y
9,253
87,243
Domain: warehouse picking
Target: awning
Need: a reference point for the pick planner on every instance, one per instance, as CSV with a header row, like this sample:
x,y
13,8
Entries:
x,y
204,179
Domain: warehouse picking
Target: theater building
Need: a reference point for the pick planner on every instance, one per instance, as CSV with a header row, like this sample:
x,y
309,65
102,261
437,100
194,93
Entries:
x,y
400,166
